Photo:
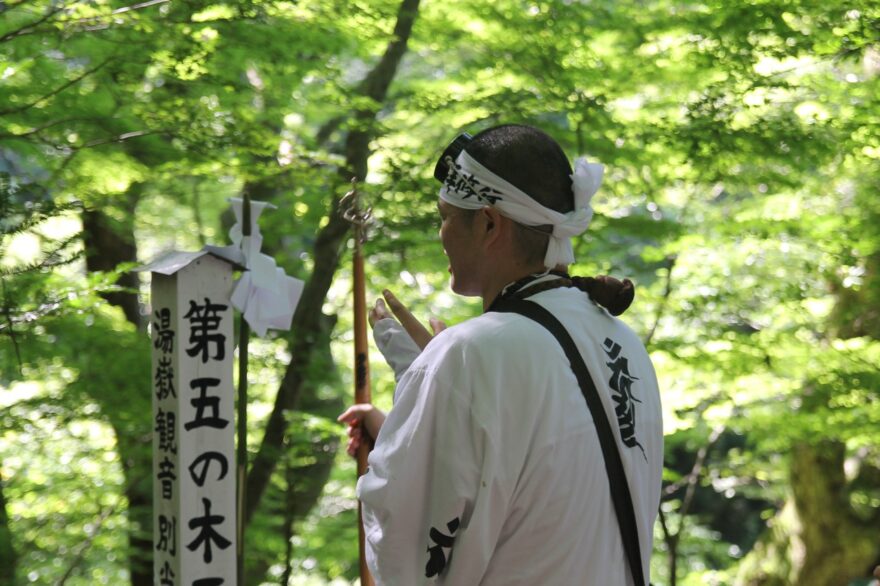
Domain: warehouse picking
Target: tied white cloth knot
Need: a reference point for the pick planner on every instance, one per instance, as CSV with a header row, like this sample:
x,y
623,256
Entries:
x,y
264,294
470,185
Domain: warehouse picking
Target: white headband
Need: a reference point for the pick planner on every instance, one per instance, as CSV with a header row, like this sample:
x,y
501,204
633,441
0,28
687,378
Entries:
x,y
471,186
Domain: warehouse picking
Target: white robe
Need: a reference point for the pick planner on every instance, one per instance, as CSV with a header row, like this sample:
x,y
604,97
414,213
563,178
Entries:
x,y
489,459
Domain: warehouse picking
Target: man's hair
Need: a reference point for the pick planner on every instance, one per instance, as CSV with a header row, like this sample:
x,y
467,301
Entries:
x,y
529,159
532,161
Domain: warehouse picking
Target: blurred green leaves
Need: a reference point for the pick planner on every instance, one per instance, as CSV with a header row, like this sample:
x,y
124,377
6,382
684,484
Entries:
x,y
741,147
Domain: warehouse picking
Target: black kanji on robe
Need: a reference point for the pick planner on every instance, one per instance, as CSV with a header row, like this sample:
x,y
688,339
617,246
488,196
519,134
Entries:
x,y
621,383
207,534
437,558
204,403
204,323
208,582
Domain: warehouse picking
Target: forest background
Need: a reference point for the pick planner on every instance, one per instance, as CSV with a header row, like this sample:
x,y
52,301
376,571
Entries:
x,y
741,140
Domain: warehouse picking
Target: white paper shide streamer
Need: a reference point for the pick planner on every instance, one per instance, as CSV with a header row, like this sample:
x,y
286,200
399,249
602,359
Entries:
x,y
264,294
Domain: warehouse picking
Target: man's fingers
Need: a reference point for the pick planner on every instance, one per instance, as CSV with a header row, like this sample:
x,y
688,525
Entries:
x,y
420,335
348,416
354,414
436,325
379,311
364,422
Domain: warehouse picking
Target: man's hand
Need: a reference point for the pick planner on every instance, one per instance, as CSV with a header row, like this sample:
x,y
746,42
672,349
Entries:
x,y
363,420
419,333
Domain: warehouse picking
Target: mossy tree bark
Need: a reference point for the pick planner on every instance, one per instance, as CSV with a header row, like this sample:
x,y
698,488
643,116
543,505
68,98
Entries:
x,y
108,244
819,538
7,551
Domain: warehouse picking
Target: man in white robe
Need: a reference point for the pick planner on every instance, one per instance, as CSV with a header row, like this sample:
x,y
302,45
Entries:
x,y
488,469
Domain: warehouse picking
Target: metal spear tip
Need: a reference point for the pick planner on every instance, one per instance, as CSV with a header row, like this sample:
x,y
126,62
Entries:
x,y
351,210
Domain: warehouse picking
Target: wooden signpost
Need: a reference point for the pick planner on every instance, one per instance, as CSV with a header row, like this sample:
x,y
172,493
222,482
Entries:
x,y
194,508
198,538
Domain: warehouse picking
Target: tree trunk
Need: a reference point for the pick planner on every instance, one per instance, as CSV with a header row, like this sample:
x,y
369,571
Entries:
x,y
7,551
108,244
816,539
137,459
327,252
837,546
309,456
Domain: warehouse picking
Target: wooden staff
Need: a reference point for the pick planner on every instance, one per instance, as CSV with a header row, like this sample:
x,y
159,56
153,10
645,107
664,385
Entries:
x,y
359,219
241,476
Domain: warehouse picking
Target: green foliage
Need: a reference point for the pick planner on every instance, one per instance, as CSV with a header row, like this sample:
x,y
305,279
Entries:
x,y
741,147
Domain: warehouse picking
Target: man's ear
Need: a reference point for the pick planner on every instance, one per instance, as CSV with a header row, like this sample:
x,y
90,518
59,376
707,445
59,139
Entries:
x,y
490,217
492,224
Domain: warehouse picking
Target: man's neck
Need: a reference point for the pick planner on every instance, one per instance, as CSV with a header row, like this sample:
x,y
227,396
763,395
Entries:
x,y
508,275
504,276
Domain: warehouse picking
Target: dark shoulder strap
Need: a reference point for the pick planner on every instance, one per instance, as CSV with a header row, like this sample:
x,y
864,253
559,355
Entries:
x,y
620,493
